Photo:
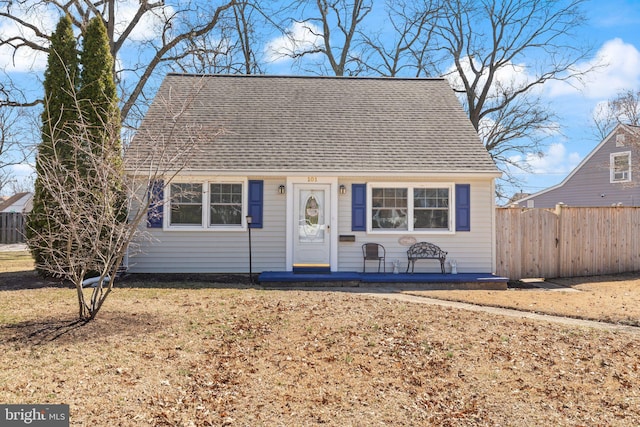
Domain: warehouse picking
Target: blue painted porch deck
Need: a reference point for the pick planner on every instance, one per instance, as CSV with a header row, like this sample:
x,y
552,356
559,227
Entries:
x,y
434,281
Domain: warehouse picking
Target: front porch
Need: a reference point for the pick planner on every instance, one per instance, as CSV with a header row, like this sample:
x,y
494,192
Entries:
x,y
430,281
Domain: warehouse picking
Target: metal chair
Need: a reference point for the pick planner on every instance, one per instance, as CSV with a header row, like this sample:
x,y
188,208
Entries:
x,y
373,252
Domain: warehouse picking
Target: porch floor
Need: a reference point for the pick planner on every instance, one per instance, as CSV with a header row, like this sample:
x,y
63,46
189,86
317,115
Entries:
x,y
433,281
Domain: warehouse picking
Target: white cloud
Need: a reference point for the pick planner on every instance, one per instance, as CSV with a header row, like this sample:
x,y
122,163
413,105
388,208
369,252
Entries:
x,y
46,18
508,76
618,68
150,25
21,178
22,61
22,170
556,161
301,37
601,111
26,59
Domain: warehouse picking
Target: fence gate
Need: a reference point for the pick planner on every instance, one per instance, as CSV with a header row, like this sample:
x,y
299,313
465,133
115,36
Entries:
x,y
527,243
11,227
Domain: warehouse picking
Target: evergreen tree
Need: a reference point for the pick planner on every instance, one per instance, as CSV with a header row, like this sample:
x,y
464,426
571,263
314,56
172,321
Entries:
x,y
98,95
98,100
78,228
59,120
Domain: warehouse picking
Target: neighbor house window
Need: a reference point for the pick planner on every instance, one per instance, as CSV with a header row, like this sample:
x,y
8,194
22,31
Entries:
x,y
621,167
213,205
410,208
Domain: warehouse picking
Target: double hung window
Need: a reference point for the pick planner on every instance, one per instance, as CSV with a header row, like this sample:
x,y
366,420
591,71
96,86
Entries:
x,y
431,208
186,204
214,205
620,169
225,204
411,207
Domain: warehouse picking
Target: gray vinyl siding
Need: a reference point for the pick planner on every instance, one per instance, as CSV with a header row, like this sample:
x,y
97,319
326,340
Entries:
x,y
227,252
590,186
206,251
472,250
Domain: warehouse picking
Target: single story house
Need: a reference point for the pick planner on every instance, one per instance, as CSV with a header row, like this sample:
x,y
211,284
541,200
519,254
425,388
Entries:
x,y
608,176
321,165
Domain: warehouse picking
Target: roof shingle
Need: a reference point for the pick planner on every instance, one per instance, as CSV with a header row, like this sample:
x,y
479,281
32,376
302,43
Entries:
x,y
312,124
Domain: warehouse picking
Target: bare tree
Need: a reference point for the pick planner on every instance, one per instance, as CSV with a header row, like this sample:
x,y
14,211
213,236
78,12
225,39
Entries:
x,y
409,48
84,192
623,108
246,36
489,41
16,141
173,28
6,179
234,48
334,25
9,119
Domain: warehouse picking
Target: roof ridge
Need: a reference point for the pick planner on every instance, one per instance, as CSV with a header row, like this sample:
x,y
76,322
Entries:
x,y
292,76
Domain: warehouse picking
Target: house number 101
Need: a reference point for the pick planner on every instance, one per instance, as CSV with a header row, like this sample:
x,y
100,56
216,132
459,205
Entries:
x,y
312,179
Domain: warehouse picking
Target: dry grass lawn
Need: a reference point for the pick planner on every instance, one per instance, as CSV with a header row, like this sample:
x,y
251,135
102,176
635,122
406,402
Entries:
x,y
11,262
196,354
613,299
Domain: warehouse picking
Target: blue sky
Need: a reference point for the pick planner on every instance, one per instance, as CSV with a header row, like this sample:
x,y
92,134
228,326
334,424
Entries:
x,y
613,30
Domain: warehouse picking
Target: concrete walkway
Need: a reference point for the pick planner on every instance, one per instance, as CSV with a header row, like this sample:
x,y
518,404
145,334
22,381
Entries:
x,y
397,295
11,247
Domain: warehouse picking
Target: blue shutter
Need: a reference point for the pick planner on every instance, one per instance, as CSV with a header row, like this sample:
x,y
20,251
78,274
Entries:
x,y
463,207
155,211
358,207
256,198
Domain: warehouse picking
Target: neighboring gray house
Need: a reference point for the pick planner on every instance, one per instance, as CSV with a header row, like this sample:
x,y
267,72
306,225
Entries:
x,y
18,203
322,165
608,176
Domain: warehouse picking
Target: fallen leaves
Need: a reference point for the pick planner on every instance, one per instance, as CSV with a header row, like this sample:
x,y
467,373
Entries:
x,y
250,357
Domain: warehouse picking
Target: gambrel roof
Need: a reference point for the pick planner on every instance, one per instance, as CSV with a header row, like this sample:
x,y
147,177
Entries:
x,y
268,124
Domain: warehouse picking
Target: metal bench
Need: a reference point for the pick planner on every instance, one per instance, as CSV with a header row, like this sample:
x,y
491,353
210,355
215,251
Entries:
x,y
425,250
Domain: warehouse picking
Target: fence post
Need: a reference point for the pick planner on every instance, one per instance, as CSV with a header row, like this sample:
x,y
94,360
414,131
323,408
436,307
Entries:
x,y
559,241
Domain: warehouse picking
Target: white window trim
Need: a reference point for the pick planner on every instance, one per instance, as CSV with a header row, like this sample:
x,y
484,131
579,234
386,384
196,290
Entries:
x,y
410,186
612,159
204,224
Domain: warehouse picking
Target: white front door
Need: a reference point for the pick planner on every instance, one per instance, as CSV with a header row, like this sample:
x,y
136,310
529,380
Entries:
x,y
312,225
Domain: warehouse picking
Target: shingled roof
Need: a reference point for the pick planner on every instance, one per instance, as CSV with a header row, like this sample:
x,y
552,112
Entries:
x,y
312,125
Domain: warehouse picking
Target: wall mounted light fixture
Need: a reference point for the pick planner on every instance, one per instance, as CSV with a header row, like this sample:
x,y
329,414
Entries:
x,y
343,189
282,189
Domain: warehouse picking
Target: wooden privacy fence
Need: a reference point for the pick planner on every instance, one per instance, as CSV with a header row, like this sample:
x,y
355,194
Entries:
x,y
567,241
12,227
